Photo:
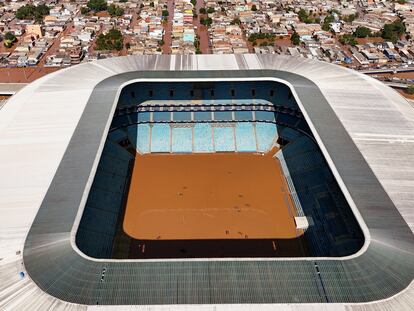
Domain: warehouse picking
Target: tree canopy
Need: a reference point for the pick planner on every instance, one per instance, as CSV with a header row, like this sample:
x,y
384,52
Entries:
x,y
115,10
113,40
348,39
393,31
97,5
362,32
32,12
295,38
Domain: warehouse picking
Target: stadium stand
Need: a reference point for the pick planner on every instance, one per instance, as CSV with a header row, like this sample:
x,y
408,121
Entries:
x,y
335,231
265,133
203,137
98,224
224,138
182,139
160,138
245,137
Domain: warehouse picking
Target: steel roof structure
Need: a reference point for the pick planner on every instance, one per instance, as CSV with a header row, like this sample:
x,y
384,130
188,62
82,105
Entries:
x,y
52,134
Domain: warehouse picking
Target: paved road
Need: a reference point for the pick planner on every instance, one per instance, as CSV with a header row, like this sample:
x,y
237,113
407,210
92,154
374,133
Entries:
x,y
201,31
166,48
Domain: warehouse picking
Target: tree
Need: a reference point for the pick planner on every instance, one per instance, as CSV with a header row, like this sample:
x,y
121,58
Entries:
x,y
350,18
161,42
348,39
206,21
393,31
303,16
202,10
210,10
8,43
295,38
113,40
84,10
410,89
32,12
362,32
165,13
235,21
193,2
115,10
254,7
97,5
10,36
327,22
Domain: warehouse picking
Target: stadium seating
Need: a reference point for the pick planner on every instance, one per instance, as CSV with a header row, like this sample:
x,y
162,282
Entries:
x,y
224,139
117,135
223,116
335,231
245,137
160,138
143,138
181,116
265,134
243,115
103,207
182,139
203,137
265,116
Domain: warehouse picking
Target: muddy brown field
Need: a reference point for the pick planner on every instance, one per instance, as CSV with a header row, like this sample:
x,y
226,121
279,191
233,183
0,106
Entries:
x,y
209,196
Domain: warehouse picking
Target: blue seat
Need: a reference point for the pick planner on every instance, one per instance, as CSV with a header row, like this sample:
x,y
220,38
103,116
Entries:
x,y
182,139
224,139
203,137
245,137
265,134
160,138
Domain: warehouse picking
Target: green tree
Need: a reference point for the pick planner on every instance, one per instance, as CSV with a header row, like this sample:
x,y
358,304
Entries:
x,y
393,31
254,7
210,10
10,36
32,12
206,21
410,89
303,15
295,38
202,10
362,32
8,43
348,39
165,13
327,22
193,2
235,21
115,10
84,10
97,5
113,40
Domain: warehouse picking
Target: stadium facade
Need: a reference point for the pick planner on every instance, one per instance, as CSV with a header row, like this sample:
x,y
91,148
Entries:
x,y
54,139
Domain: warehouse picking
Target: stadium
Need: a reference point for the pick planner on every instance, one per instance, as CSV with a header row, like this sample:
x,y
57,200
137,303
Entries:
x,y
216,181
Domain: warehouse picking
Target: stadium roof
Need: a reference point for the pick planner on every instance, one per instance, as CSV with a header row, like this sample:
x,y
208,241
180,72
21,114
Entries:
x,y
52,133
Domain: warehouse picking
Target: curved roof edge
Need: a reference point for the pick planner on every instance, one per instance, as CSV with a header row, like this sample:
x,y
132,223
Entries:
x,y
386,262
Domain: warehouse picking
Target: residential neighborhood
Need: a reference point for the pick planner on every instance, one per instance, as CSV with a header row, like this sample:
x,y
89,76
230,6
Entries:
x,y
37,37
